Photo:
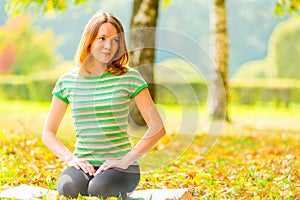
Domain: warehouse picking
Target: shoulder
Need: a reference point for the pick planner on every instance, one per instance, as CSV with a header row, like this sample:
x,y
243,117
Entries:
x,y
133,75
69,75
132,72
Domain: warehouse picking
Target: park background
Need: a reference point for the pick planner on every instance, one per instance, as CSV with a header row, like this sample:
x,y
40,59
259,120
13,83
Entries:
x,y
254,157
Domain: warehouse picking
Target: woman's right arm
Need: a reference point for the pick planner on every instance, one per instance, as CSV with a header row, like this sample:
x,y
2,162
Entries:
x,y
49,137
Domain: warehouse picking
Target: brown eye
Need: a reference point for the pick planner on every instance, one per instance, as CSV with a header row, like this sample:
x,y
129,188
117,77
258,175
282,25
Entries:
x,y
116,40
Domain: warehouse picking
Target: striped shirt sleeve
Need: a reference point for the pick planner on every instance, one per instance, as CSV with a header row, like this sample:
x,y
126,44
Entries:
x,y
137,84
60,91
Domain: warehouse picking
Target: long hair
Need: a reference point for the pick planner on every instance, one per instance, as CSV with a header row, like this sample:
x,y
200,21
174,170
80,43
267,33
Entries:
x,y
118,64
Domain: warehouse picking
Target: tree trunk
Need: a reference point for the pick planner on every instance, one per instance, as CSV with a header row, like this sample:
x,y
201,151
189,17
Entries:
x,y
219,53
141,46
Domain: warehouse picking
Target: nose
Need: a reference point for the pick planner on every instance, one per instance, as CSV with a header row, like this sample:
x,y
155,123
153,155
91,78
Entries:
x,y
107,44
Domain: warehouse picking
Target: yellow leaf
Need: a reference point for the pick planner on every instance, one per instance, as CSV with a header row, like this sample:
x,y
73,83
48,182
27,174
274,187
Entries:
x,y
51,195
92,198
62,197
112,198
202,176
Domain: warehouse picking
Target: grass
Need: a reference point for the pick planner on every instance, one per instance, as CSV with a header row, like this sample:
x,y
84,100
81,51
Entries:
x,y
256,156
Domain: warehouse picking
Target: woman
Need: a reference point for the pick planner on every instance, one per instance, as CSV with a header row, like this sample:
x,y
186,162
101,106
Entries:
x,y
99,92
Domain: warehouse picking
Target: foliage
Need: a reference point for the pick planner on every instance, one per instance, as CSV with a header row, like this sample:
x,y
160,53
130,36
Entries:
x,y
284,49
27,160
24,49
253,69
14,87
250,91
17,7
242,166
170,90
35,87
282,60
284,7
246,91
243,17
26,88
247,163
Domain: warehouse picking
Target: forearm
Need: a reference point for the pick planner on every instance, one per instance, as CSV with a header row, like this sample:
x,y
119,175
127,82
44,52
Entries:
x,y
155,131
144,145
57,147
49,138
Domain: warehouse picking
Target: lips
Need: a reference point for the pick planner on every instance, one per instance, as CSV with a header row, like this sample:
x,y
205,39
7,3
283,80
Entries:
x,y
106,53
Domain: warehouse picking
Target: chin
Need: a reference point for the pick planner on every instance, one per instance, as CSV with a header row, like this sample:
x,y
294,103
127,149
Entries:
x,y
104,61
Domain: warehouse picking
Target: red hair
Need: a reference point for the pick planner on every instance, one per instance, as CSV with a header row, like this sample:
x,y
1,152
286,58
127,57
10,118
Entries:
x,y
118,64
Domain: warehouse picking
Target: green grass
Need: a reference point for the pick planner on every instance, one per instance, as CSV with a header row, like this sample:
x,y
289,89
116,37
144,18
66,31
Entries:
x,y
271,111
30,117
256,156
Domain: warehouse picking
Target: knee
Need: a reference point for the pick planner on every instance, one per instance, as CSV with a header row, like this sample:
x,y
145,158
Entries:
x,y
102,189
69,188
96,188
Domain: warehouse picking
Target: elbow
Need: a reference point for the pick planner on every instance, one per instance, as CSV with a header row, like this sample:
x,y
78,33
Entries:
x,y
46,137
162,132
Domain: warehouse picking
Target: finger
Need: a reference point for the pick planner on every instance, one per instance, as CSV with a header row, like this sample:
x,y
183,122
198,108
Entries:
x,y
101,169
76,166
96,173
86,167
91,170
72,164
82,166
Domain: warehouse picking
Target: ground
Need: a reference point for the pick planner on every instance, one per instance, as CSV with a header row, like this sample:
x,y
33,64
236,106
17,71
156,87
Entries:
x,y
255,157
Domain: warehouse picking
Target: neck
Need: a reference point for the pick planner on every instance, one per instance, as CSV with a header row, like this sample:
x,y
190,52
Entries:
x,y
93,69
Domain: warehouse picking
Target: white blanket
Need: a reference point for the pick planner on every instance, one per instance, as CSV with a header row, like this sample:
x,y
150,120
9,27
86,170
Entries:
x,y
26,192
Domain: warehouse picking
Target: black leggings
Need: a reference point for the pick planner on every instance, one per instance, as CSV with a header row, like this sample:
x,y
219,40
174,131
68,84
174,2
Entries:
x,y
109,183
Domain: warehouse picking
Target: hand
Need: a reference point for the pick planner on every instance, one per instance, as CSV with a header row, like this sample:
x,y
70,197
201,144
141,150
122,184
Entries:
x,y
111,164
81,163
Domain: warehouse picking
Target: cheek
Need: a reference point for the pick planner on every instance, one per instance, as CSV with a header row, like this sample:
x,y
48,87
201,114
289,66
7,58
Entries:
x,y
115,48
95,46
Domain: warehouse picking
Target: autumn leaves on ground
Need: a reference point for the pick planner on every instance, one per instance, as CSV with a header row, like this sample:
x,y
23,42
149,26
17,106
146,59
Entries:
x,y
246,163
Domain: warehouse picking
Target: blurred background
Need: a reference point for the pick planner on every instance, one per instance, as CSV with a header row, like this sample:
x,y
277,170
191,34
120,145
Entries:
x,y
263,59
251,151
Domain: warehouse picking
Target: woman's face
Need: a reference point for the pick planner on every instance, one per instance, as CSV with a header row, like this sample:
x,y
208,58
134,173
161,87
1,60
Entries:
x,y
106,44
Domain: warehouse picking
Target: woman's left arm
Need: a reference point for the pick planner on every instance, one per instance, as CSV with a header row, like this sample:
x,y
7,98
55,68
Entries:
x,y
156,129
154,133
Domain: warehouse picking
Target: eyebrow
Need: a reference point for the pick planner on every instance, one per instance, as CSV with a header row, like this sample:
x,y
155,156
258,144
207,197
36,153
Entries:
x,y
113,37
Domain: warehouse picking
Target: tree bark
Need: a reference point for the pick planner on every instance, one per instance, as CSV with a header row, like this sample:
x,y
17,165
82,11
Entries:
x,y
141,46
219,53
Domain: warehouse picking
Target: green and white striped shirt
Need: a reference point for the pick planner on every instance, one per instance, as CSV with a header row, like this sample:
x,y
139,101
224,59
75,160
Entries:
x,y
100,108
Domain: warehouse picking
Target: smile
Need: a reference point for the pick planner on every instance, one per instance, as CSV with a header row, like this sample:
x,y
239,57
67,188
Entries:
x,y
105,53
